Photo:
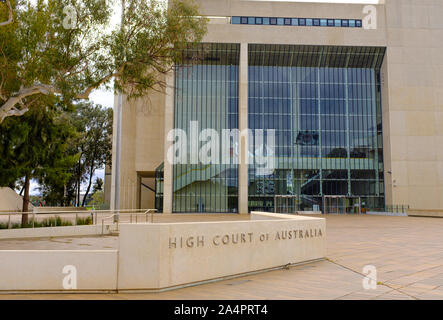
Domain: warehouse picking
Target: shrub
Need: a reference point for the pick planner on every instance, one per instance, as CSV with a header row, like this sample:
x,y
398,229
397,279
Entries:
x,y
84,221
49,222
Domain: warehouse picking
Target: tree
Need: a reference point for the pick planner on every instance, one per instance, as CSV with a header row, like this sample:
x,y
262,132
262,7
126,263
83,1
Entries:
x,y
95,125
10,13
58,48
92,144
35,145
98,185
98,199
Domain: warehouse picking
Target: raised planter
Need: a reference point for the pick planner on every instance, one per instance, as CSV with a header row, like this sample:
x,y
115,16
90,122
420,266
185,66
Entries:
x,y
71,231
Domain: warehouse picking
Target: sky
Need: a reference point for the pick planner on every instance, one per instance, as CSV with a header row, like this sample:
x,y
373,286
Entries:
x,y
106,98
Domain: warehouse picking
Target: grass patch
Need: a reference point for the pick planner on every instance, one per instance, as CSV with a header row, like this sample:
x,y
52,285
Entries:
x,y
49,222
84,221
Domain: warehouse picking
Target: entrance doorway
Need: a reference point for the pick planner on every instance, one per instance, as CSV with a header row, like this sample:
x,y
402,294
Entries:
x,y
341,204
286,204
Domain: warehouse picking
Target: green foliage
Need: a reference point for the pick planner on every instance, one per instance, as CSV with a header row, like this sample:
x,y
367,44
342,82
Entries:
x,y
98,199
98,185
49,222
84,221
35,145
46,223
40,55
94,145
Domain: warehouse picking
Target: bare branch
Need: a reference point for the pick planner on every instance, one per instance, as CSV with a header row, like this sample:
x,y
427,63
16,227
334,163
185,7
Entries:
x,y
11,16
14,112
85,95
9,107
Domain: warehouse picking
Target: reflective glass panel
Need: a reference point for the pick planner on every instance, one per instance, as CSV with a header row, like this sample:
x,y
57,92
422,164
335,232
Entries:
x,y
206,97
327,120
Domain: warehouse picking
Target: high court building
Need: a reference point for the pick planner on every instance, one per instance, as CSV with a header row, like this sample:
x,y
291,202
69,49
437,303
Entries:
x,y
357,110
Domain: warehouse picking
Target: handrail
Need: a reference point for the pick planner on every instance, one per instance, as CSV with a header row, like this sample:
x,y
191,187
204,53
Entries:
x,y
95,214
152,211
103,222
146,213
71,212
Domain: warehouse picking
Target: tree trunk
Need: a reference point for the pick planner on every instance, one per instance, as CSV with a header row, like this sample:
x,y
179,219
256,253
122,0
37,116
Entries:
x,y
73,202
91,174
78,194
25,202
78,183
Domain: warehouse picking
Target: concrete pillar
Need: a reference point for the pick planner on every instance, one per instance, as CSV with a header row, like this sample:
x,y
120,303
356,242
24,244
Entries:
x,y
243,126
169,125
116,144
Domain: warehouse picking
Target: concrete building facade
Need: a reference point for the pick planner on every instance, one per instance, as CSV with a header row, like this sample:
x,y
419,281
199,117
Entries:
x,y
358,112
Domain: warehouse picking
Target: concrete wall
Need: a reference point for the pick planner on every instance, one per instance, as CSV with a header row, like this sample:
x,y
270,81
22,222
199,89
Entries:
x,y
142,145
73,231
414,111
42,270
58,209
234,33
10,201
164,255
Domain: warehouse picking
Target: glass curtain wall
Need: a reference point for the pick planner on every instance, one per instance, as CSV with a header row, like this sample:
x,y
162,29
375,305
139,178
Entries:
x,y
325,105
207,93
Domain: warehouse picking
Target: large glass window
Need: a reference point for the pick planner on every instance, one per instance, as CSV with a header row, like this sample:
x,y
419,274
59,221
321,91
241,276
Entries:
x,y
207,94
325,105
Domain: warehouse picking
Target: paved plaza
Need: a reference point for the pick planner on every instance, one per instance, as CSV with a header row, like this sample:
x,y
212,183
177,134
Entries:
x,y
407,252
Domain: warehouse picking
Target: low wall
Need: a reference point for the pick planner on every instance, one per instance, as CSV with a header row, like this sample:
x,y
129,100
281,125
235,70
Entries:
x,y
309,213
73,231
391,214
47,270
58,209
155,256
163,255
426,213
